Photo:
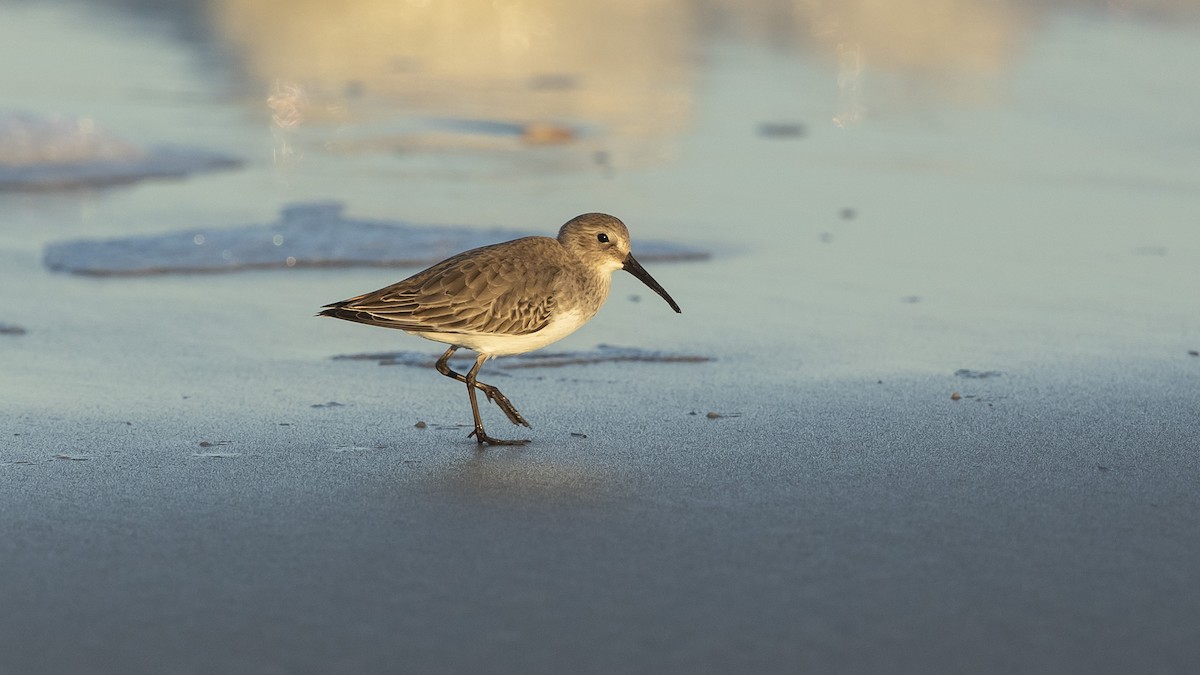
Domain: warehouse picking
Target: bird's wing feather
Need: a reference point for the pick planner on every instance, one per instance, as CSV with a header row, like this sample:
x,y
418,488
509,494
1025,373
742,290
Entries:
x,y
497,289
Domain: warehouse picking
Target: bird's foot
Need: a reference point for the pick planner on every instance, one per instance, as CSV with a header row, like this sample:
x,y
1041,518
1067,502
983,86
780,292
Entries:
x,y
481,438
493,394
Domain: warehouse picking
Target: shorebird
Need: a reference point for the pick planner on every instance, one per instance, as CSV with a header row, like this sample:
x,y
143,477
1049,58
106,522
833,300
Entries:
x,y
504,299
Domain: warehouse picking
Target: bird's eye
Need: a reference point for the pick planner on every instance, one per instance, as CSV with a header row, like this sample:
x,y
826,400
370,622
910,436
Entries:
x,y
602,238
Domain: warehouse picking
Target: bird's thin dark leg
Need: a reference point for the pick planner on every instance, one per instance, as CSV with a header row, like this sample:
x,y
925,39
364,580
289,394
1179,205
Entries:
x,y
493,394
481,437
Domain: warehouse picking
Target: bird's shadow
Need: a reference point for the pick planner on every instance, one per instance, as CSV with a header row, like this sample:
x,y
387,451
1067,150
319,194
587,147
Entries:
x,y
536,473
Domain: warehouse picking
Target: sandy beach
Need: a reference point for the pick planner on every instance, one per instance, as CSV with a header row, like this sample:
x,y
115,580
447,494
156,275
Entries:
x,y
932,404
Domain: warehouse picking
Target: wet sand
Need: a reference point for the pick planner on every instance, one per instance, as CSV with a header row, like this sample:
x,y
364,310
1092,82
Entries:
x,y
939,412
1048,526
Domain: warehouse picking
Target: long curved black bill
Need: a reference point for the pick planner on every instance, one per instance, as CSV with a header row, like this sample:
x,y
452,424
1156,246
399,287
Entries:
x,y
635,268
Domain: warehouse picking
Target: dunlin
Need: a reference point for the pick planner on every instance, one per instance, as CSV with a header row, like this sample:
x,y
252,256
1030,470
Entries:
x,y
507,298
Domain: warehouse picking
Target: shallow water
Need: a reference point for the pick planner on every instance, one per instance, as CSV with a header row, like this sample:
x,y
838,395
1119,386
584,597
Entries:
x,y
306,235
886,205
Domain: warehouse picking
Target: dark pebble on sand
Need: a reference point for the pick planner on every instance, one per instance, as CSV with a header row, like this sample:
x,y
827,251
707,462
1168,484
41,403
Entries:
x,y
781,130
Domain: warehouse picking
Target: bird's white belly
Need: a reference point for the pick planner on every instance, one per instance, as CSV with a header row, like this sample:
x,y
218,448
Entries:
x,y
491,344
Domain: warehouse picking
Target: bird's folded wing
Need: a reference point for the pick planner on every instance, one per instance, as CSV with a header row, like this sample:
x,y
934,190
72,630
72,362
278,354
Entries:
x,y
499,294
